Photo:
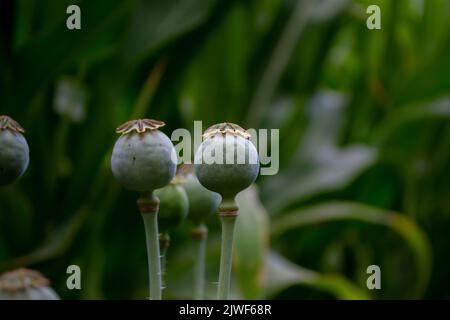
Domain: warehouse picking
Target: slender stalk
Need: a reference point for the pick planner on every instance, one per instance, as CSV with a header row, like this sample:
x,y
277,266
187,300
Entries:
x,y
200,235
228,218
148,205
164,243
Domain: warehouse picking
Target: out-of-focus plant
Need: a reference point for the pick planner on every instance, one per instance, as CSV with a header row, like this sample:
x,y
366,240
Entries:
x,y
364,141
173,208
202,204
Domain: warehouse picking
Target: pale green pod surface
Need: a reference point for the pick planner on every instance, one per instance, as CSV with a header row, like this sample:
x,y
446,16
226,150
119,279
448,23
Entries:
x,y
143,159
14,151
226,163
202,202
25,284
40,293
173,206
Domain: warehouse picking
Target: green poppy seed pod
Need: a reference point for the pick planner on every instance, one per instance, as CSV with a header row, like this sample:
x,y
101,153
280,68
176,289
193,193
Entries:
x,y
144,158
226,162
202,202
14,151
173,206
25,284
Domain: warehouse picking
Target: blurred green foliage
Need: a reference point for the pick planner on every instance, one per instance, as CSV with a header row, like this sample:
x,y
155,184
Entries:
x,y
364,140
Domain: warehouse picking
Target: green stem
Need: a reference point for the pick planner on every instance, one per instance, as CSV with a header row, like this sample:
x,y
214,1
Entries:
x,y
226,255
200,235
149,205
164,243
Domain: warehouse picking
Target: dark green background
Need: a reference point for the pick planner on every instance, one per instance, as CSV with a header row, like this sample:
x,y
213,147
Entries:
x,y
364,140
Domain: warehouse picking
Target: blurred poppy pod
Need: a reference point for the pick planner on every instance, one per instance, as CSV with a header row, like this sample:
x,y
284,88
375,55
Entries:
x,y
14,151
70,99
173,205
25,284
202,202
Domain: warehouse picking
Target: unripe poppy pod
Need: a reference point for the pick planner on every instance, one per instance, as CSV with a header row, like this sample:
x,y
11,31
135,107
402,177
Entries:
x,y
202,202
226,162
14,151
143,158
173,206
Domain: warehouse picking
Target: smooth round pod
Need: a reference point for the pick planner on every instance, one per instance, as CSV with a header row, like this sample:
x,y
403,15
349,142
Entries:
x,y
202,202
143,158
25,284
14,151
173,206
226,162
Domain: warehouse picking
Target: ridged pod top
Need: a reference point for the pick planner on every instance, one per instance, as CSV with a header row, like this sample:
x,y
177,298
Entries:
x,y
224,128
140,126
21,279
10,124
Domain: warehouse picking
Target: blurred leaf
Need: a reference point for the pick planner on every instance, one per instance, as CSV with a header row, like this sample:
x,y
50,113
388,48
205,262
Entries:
x,y
327,9
336,169
434,27
251,244
16,218
438,109
278,61
227,92
325,111
156,23
335,211
36,64
318,165
303,12
57,243
283,274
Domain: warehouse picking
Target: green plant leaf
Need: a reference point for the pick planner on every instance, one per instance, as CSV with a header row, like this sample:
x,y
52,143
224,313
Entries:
x,y
327,9
336,211
274,68
43,57
336,170
57,243
437,109
156,23
251,244
283,274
